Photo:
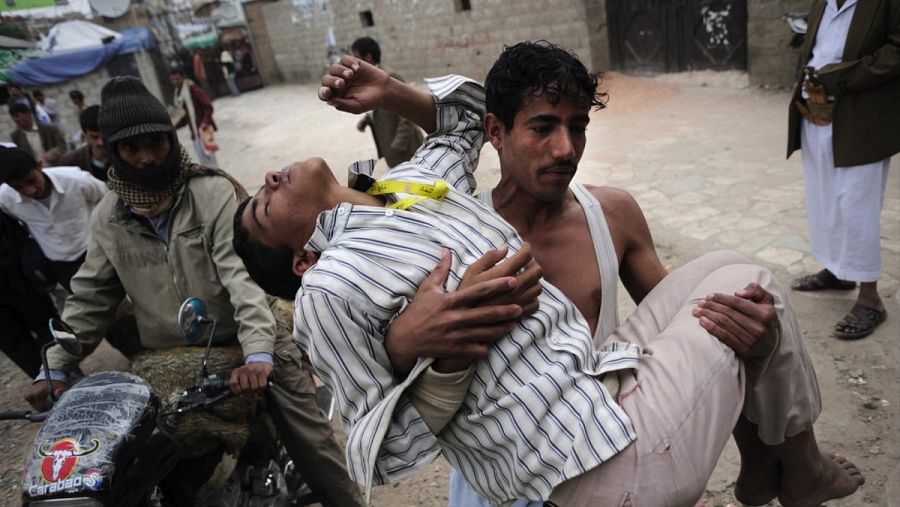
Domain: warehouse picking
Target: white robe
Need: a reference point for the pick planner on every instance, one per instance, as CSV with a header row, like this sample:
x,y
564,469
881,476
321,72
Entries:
x,y
843,203
844,208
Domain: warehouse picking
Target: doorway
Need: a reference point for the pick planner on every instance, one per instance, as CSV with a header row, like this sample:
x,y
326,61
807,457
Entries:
x,y
658,36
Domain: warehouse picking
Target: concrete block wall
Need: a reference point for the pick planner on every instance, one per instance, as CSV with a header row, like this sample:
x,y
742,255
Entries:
x,y
770,61
422,38
429,37
598,34
256,20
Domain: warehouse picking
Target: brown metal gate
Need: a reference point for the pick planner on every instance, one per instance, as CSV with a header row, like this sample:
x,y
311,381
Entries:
x,y
653,36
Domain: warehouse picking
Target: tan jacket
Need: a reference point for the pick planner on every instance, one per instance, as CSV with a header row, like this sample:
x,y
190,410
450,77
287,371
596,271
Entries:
x,y
127,257
866,85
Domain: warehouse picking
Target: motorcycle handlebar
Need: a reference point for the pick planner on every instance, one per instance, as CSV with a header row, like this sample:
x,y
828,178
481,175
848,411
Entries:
x,y
27,415
215,385
205,394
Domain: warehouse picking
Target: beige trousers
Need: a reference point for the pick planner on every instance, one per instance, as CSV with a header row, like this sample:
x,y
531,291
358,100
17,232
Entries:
x,y
686,397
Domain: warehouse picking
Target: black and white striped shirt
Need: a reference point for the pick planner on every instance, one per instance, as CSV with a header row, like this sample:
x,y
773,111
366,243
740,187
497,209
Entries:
x,y
535,414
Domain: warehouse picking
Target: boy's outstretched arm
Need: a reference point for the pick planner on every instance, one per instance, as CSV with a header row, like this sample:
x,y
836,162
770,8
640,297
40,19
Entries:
x,y
355,86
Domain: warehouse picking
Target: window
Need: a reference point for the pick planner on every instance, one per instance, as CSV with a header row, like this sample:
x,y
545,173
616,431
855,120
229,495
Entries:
x,y
365,17
463,5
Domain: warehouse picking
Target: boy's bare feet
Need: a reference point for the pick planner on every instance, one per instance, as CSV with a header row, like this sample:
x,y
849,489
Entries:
x,y
836,478
757,482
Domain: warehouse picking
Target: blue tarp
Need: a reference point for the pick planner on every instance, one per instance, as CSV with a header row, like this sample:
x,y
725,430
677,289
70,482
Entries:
x,y
62,67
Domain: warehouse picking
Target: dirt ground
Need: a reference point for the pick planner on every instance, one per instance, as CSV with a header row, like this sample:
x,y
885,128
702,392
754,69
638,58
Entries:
x,y
704,156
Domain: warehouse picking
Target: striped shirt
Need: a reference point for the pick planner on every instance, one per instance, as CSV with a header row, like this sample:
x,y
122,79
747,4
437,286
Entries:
x,y
535,413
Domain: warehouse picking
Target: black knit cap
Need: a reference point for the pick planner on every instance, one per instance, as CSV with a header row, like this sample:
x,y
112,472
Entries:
x,y
128,109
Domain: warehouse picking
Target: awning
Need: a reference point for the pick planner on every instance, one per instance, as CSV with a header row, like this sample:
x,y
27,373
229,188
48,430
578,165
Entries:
x,y
206,40
59,68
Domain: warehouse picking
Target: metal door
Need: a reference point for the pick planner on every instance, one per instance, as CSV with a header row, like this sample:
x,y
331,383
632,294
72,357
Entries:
x,y
716,34
653,36
639,33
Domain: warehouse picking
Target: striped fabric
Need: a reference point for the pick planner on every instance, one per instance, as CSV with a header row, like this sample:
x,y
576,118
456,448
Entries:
x,y
535,414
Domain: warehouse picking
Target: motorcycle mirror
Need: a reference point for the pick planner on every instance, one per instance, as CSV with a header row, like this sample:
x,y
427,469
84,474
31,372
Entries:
x,y
192,319
65,337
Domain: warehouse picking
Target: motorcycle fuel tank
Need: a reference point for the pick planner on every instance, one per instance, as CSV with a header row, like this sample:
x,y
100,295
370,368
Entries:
x,y
81,443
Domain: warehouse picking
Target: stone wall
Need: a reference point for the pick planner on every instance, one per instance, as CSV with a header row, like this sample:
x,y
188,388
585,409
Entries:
x,y
259,31
429,37
770,60
423,38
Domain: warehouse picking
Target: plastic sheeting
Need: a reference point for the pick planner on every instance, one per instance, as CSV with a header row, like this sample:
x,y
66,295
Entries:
x,y
62,67
76,34
79,446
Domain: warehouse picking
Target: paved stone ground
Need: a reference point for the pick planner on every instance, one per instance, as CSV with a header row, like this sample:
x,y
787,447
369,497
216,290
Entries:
x,y
704,156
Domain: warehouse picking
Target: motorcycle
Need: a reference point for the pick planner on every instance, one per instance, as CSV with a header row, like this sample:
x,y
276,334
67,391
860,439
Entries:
x,y
111,440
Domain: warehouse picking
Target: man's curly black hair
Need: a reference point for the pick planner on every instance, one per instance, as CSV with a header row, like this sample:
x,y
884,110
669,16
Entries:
x,y
271,268
529,69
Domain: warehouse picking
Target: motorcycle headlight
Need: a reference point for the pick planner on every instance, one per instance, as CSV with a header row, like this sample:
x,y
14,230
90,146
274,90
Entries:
x,y
67,502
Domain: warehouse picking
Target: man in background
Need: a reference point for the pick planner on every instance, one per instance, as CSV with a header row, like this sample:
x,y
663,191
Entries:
x,y
77,99
92,156
198,111
51,107
229,69
18,96
44,142
845,117
55,203
200,71
396,138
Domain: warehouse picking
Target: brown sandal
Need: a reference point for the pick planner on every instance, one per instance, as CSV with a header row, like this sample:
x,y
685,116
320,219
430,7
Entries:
x,y
823,280
859,323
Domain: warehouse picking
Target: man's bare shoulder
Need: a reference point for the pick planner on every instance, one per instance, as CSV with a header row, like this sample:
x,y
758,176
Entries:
x,y
617,203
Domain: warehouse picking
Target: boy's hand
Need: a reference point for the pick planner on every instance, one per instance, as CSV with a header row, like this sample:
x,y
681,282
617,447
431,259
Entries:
x,y
354,86
521,265
453,327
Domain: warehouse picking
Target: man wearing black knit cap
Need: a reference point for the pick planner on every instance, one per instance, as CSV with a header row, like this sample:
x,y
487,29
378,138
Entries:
x,y
164,234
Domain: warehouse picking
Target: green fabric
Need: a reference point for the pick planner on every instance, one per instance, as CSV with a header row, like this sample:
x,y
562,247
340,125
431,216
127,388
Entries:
x,y
125,256
9,58
25,4
206,40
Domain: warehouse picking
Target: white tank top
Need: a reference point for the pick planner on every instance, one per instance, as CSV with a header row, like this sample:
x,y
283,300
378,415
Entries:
x,y
607,261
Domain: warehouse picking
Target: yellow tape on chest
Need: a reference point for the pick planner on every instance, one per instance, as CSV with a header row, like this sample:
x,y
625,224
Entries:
x,y
420,191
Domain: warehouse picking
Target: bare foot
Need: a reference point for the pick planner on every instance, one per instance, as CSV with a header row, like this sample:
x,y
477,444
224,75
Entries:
x,y
837,478
757,482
